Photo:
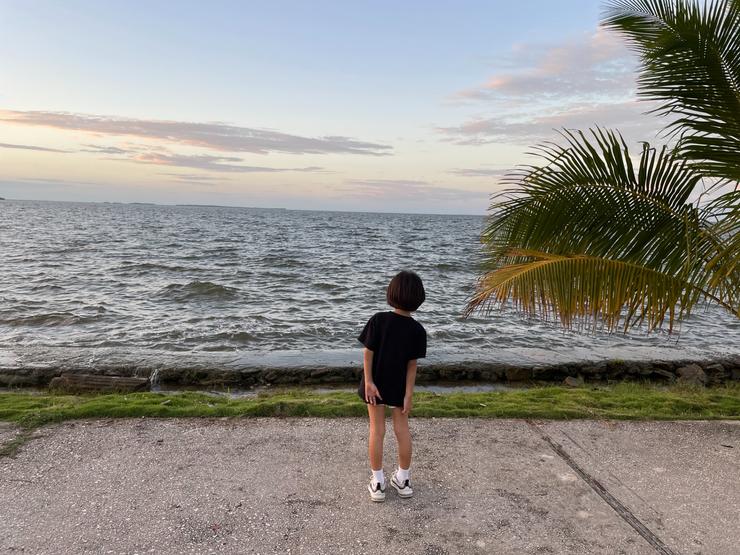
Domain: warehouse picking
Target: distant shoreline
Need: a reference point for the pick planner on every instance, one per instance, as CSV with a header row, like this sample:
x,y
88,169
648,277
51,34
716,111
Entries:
x,y
235,206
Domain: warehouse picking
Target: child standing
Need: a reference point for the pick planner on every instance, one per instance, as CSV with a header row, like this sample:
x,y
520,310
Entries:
x,y
393,342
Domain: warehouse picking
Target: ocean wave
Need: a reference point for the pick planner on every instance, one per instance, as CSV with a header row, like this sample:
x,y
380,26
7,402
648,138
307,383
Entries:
x,y
446,266
451,334
238,337
324,286
199,290
278,261
173,347
46,287
285,275
144,266
50,319
219,348
227,249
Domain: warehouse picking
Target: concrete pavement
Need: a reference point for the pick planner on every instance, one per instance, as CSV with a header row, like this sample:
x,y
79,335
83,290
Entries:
x,y
7,432
298,486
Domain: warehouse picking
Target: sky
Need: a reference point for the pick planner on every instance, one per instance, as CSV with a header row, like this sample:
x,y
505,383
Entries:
x,y
362,105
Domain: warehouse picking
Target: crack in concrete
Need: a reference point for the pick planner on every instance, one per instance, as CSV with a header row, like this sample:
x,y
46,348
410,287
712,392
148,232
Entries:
x,y
621,510
658,515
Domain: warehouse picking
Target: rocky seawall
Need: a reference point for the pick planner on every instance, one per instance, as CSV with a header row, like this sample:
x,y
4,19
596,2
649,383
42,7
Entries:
x,y
706,372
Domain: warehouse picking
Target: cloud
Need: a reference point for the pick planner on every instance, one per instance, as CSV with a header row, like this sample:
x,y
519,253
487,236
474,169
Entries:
x,y
479,172
104,149
407,190
30,147
49,182
200,179
214,135
581,82
628,117
208,162
158,156
193,177
593,65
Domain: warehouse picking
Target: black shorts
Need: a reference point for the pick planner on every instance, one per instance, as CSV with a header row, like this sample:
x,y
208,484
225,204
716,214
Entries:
x,y
389,398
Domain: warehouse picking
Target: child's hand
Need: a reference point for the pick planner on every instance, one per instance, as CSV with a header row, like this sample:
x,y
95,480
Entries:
x,y
371,392
407,404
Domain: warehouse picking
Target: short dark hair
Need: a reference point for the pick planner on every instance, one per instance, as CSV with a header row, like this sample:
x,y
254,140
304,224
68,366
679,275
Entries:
x,y
406,291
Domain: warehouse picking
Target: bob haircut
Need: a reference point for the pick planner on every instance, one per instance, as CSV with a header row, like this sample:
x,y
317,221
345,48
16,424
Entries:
x,y
406,291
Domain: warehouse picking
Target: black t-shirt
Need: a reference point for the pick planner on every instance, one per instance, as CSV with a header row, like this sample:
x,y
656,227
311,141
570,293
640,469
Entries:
x,y
394,339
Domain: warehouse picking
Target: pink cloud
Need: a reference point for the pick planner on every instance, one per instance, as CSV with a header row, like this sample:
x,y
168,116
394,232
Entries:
x,y
598,63
210,135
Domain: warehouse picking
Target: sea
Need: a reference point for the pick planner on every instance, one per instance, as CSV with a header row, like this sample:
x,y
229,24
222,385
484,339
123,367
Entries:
x,y
141,286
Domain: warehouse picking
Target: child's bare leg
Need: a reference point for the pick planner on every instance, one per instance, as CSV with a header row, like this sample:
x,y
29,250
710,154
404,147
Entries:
x,y
403,437
377,433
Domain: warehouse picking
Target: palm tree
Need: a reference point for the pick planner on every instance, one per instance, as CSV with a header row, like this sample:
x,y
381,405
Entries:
x,y
691,65
588,236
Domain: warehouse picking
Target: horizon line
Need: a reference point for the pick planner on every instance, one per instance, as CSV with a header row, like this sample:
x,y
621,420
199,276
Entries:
x,y
244,207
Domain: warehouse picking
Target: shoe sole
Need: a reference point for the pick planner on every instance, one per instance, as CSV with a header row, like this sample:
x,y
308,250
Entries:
x,y
398,490
376,499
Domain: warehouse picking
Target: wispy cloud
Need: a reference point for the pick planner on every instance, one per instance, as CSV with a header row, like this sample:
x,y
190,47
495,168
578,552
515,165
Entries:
x,y
628,117
406,190
210,163
580,82
159,156
592,65
479,172
49,182
31,147
97,149
199,179
211,135
193,177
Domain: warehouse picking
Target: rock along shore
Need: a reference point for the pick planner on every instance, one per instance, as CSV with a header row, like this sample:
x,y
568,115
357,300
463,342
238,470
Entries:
x,y
703,372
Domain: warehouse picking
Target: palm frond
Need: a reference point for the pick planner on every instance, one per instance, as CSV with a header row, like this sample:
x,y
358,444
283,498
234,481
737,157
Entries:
x,y
585,290
723,266
690,54
588,201
589,197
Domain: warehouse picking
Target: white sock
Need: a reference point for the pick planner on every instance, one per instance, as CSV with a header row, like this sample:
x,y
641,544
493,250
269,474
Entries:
x,y
402,475
378,476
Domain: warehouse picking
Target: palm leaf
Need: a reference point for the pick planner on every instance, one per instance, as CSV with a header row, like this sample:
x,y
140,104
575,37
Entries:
x,y
691,66
590,208
585,290
724,262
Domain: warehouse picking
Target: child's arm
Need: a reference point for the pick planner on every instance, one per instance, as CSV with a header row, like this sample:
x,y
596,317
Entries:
x,y
371,391
410,380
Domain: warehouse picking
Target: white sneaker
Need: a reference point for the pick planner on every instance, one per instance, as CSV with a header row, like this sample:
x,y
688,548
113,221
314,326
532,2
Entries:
x,y
377,491
404,490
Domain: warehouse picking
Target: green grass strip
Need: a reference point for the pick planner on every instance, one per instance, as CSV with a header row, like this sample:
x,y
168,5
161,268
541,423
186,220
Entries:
x,y
628,401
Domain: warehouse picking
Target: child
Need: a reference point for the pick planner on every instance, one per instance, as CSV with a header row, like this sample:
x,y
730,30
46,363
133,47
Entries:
x,y
393,341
